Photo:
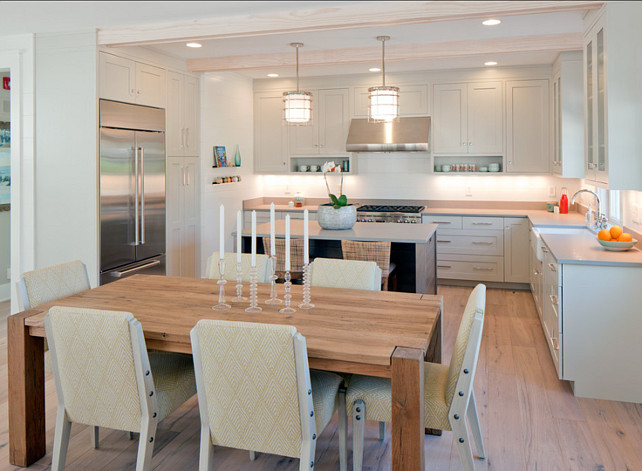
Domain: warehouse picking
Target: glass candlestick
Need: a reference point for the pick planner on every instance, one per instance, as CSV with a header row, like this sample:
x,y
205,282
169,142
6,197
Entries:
x,y
221,306
239,284
273,299
254,298
306,304
287,296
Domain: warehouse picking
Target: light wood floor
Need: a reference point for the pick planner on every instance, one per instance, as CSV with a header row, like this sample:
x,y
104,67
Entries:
x,y
530,419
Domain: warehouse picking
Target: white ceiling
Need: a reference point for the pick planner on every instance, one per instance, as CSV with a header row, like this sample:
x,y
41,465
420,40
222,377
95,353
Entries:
x,y
48,17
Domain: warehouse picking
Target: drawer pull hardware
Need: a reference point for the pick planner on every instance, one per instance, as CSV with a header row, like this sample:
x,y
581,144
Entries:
x,y
441,222
544,249
482,269
554,299
556,343
482,223
444,266
482,243
444,241
552,267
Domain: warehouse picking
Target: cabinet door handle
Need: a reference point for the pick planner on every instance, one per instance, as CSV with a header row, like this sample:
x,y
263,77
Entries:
x,y
554,299
444,266
544,249
482,223
482,269
132,92
470,143
481,243
444,241
441,222
187,179
552,267
556,343
186,137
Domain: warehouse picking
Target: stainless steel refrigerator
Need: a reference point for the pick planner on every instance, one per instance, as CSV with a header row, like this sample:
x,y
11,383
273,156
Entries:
x,y
132,190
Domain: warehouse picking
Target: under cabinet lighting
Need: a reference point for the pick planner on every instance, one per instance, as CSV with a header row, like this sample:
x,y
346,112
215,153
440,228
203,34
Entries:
x,y
489,63
374,69
272,75
491,22
194,45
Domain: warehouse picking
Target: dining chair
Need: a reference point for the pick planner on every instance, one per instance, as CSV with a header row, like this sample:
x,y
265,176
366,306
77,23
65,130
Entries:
x,y
262,267
51,283
256,392
448,392
350,274
375,251
296,256
105,377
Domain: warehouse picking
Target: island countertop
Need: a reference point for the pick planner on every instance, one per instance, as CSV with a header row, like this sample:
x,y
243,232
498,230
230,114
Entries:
x,y
367,231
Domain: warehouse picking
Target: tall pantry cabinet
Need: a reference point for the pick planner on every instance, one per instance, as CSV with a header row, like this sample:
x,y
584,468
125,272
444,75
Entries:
x,y
183,222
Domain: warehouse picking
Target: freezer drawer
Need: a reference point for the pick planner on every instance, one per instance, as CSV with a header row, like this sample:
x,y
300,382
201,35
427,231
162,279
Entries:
x,y
151,266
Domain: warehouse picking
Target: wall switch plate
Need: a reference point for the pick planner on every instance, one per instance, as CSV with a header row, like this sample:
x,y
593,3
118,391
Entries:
x,y
551,191
469,191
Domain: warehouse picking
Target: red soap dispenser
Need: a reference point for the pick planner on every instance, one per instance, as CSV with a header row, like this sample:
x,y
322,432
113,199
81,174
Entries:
x,y
564,202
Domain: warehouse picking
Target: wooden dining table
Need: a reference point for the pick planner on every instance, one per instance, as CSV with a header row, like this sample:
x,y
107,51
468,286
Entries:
x,y
376,333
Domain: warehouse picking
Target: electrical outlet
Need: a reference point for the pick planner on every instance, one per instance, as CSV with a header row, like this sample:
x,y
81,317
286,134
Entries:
x,y
469,191
551,191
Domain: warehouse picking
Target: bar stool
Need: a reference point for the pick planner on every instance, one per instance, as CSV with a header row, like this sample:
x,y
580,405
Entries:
x,y
296,257
378,252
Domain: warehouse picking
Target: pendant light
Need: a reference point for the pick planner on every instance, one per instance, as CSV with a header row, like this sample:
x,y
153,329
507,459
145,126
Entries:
x,y
297,105
383,102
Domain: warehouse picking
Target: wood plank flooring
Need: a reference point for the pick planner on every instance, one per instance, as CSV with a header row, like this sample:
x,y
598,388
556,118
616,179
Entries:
x,y
530,420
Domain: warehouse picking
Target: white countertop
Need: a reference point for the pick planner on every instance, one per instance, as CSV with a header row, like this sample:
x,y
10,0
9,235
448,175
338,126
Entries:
x,y
368,231
538,217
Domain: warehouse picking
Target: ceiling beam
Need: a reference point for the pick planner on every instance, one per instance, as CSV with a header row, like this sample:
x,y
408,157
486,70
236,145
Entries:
x,y
394,53
363,15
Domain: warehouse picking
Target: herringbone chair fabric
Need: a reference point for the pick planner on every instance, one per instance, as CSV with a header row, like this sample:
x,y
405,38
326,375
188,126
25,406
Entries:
x,y
55,282
371,251
262,267
350,274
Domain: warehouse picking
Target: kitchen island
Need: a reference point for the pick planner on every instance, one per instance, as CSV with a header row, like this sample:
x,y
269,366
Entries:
x,y
413,248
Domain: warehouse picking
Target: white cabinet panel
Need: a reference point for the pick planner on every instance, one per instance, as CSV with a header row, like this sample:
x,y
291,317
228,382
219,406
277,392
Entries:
x,y
191,112
150,85
334,121
470,242
485,118
117,78
516,250
451,119
445,222
182,115
270,135
527,126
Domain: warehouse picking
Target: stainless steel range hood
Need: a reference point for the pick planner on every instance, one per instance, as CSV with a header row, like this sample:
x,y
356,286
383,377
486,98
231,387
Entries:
x,y
405,135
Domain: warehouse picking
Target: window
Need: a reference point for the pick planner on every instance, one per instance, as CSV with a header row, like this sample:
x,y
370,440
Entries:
x,y
615,208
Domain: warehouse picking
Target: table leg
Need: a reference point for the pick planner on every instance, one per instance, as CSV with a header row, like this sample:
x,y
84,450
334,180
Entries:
x,y
433,354
407,409
27,439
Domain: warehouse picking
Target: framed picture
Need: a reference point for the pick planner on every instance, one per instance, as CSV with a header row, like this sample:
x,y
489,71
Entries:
x,y
220,158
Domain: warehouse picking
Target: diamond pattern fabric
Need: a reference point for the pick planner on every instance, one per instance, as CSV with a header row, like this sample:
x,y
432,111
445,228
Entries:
x,y
325,387
349,274
174,382
250,386
59,281
262,267
376,394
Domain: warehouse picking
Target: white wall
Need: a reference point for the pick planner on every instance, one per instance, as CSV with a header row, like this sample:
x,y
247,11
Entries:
x,y
5,255
66,143
226,120
4,99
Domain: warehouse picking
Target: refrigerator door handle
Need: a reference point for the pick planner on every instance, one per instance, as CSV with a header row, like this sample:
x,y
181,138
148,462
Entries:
x,y
136,220
119,274
142,195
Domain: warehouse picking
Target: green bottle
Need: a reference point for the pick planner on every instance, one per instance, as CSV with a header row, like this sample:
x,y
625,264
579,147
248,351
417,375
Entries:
x,y
237,157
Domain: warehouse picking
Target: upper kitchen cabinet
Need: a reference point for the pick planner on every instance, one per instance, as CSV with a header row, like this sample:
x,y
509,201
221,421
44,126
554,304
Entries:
x,y
329,129
413,101
131,82
270,134
468,118
568,116
527,126
182,115
613,100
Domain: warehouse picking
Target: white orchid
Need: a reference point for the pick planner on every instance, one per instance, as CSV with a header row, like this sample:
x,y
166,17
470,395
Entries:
x,y
342,200
331,167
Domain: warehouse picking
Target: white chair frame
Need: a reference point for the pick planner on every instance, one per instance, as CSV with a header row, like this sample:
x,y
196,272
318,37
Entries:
x,y
304,392
148,402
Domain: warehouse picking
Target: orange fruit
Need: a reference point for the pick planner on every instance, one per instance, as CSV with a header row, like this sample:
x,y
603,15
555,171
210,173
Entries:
x,y
625,237
604,234
616,231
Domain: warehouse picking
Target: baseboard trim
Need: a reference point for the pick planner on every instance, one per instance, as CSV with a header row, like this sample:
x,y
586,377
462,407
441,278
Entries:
x,y
489,284
5,292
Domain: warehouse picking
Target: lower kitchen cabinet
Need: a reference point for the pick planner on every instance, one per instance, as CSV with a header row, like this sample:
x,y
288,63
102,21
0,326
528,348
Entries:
x,y
516,250
536,271
182,216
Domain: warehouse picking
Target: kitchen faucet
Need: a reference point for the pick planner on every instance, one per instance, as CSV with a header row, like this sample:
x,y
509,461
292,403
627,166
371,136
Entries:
x,y
600,219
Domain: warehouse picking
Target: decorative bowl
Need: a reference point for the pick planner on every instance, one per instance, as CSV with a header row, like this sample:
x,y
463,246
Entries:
x,y
617,246
336,219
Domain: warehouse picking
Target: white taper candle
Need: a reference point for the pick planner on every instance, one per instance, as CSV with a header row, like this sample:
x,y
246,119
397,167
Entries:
x,y
287,242
306,239
221,250
238,236
272,231
253,238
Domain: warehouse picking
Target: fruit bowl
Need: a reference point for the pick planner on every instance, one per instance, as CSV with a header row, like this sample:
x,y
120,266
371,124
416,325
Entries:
x,y
617,246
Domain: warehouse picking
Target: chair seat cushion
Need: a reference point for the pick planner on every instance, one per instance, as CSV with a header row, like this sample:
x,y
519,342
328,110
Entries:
x,y
376,392
174,381
325,388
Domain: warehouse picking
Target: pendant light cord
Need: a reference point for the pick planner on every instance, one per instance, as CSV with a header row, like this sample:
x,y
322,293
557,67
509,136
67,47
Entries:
x,y
297,69
383,62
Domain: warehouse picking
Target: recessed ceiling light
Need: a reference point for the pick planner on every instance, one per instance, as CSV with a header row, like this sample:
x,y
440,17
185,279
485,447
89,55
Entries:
x,y
374,69
272,75
490,63
491,22
194,45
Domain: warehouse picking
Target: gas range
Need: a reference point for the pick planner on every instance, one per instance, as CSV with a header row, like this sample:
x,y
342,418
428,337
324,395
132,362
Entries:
x,y
389,213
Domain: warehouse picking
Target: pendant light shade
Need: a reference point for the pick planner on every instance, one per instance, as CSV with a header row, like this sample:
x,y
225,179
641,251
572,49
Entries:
x,y
297,105
383,101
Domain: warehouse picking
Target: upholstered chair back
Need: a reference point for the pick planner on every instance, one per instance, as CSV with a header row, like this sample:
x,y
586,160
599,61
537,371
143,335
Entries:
x,y
251,379
467,348
51,283
262,267
351,274
94,366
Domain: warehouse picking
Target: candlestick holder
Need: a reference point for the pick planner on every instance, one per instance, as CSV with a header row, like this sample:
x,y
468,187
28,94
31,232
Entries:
x,y
221,306
239,284
287,296
254,303
273,299
306,304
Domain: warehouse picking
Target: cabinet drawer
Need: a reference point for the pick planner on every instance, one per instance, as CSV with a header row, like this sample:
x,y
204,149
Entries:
x,y
445,222
470,242
476,268
484,223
